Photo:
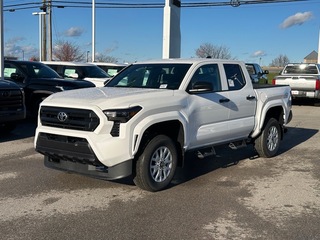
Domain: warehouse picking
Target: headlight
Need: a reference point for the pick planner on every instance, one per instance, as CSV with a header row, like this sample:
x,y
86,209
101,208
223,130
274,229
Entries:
x,y
122,115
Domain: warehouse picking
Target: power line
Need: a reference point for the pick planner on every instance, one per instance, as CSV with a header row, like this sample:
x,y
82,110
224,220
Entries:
x,y
88,4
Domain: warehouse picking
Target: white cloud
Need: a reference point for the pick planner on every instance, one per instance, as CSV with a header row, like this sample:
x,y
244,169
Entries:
x,y
258,53
14,47
297,19
73,32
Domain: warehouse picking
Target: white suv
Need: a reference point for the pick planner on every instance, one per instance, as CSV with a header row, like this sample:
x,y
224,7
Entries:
x,y
77,70
111,68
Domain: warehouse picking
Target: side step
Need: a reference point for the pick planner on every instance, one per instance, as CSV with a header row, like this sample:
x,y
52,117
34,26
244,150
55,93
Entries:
x,y
237,145
205,152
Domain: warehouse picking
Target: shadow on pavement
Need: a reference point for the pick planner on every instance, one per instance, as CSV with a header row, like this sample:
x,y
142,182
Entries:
x,y
227,157
24,129
306,102
294,137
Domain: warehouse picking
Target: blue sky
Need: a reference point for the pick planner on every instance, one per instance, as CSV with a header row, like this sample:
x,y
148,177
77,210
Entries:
x,y
252,33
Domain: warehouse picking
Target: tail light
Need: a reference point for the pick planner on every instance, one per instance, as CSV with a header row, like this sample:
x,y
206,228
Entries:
x,y
318,84
273,81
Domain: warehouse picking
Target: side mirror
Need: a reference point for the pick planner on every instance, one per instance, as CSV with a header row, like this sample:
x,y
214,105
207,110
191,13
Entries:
x,y
199,87
16,77
266,72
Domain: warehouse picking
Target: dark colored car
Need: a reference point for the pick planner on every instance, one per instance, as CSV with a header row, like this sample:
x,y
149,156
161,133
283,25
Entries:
x,y
38,82
12,107
256,73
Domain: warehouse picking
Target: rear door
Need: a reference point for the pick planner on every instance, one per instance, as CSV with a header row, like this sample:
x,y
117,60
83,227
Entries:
x,y
242,101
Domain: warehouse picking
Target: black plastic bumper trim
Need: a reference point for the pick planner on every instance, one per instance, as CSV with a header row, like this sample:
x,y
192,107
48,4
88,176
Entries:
x,y
109,173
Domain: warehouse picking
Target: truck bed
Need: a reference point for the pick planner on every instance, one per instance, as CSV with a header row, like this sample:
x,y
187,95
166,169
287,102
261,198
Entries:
x,y
261,86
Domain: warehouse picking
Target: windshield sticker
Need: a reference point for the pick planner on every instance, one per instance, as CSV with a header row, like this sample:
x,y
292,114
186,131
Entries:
x,y
163,86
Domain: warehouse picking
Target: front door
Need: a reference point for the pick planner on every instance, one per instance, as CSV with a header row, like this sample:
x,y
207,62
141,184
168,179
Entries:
x,y
208,110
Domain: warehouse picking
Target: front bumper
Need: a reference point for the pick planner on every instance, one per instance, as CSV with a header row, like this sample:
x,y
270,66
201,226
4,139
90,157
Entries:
x,y
74,154
99,171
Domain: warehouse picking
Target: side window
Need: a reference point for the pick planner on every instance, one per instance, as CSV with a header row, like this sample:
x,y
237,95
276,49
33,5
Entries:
x,y
70,72
207,75
234,76
250,69
8,70
11,72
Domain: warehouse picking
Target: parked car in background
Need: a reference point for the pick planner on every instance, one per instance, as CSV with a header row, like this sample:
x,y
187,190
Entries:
x,y
38,82
256,73
111,68
12,106
303,78
80,71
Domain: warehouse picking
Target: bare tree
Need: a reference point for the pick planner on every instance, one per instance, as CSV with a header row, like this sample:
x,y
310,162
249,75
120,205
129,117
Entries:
x,y
280,61
209,50
67,51
105,58
34,58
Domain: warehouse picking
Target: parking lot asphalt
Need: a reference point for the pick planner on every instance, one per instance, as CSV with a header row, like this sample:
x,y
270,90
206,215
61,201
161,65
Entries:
x,y
234,195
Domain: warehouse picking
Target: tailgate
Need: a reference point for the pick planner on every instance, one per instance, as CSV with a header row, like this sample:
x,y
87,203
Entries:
x,y
298,82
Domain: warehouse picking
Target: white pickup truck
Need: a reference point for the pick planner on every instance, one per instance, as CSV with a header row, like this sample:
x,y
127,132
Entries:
x,y
303,78
144,121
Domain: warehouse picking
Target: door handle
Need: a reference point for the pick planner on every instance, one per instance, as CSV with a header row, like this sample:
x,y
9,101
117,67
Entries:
x,y
223,100
251,97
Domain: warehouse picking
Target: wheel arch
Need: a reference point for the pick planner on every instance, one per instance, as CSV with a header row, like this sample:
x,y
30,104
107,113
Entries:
x,y
171,128
275,112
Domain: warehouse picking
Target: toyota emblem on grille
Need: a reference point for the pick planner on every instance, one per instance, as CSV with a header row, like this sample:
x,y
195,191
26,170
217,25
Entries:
x,y
62,116
6,94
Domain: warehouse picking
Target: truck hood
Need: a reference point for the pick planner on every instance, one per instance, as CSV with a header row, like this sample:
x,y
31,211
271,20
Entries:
x,y
72,84
4,84
107,97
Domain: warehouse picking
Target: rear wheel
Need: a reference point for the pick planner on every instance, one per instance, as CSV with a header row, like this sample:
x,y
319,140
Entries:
x,y
156,165
267,144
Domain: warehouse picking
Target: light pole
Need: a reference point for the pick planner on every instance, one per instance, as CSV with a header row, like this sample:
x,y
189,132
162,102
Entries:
x,y
1,42
88,56
40,32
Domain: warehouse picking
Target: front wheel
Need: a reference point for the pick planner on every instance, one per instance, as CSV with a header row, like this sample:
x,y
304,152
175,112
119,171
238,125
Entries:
x,y
156,165
267,144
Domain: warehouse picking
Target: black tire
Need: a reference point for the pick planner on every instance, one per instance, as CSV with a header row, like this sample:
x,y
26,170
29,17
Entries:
x,y
156,165
267,144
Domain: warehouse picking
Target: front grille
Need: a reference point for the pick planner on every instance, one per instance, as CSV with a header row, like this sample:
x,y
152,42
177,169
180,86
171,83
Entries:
x,y
11,100
69,118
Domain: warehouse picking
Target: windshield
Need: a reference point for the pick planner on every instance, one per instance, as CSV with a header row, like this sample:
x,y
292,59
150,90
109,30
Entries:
x,y
39,70
95,72
160,75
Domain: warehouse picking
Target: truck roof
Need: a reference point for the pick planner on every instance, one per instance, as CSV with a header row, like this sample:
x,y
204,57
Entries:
x,y
67,63
189,60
